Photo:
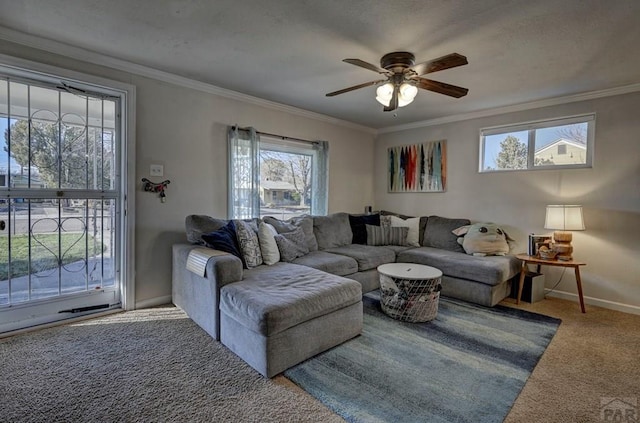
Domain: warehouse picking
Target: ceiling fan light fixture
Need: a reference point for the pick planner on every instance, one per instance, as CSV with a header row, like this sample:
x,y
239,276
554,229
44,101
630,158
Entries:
x,y
407,93
403,78
384,94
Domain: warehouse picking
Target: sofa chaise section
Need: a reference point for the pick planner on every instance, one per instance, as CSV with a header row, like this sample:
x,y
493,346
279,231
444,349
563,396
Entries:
x,y
280,315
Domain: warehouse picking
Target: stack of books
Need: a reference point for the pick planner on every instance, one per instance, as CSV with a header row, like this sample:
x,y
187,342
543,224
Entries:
x,y
537,241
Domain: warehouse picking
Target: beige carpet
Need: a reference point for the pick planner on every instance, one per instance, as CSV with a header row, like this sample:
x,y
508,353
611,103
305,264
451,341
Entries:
x,y
150,365
593,356
157,365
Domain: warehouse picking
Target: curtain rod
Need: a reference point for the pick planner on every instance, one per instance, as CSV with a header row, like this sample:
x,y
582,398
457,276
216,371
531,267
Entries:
x,y
278,136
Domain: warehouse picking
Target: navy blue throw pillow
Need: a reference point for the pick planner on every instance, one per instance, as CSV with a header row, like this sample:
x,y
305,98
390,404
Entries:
x,y
358,226
224,239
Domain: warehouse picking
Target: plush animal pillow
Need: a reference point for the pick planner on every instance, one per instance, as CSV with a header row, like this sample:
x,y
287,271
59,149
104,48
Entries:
x,y
483,239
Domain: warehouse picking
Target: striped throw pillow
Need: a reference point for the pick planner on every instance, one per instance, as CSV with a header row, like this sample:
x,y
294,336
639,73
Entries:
x,y
386,235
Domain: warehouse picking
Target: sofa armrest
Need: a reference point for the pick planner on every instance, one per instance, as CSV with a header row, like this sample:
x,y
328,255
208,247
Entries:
x,y
199,296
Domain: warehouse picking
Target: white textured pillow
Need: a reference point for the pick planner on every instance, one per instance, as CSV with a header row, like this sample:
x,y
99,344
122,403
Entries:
x,y
413,223
266,235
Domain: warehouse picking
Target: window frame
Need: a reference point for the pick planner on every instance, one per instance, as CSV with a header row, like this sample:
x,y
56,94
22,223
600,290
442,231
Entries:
x,y
531,127
290,146
18,67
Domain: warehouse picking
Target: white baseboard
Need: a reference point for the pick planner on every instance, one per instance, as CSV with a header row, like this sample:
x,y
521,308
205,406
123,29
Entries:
x,y
612,305
152,302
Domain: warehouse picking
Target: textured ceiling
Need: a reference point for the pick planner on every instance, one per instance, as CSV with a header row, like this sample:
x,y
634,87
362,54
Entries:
x,y
290,51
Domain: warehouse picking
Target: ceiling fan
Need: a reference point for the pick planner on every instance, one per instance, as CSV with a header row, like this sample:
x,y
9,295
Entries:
x,y
403,78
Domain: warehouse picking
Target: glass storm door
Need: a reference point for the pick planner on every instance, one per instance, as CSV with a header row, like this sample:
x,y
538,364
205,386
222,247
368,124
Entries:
x,y
59,202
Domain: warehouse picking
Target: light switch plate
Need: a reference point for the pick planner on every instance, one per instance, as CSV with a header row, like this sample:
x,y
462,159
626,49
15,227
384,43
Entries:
x,y
156,170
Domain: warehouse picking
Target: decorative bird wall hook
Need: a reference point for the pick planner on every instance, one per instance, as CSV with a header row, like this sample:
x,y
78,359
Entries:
x,y
159,187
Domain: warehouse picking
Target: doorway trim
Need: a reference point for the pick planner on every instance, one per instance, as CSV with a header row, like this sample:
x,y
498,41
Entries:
x,y
11,64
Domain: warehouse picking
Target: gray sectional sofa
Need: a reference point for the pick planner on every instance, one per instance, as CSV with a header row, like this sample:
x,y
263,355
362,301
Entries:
x,y
275,316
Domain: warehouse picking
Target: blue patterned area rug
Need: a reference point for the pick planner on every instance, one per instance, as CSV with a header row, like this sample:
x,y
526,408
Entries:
x,y
467,365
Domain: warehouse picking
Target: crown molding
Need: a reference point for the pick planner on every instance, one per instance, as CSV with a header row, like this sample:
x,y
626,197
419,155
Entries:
x,y
626,89
95,58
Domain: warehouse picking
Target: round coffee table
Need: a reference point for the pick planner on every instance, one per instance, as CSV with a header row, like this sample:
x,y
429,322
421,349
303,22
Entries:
x,y
410,292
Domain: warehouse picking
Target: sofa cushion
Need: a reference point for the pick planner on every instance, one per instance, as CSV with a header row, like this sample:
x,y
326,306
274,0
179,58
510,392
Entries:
x,y
490,270
333,230
438,233
358,222
248,242
224,239
386,235
367,256
421,226
331,263
398,248
271,299
199,224
413,223
305,222
268,245
292,245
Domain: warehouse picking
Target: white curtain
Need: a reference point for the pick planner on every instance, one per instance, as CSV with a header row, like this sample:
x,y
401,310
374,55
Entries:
x,y
320,178
244,173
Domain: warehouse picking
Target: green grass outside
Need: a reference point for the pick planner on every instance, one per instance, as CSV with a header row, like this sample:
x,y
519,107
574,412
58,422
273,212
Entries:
x,y
44,252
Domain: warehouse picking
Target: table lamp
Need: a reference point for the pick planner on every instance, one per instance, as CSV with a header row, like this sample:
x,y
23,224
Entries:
x,y
563,219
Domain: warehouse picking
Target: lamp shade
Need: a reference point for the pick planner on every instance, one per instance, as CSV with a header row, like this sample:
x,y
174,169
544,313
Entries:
x,y
564,218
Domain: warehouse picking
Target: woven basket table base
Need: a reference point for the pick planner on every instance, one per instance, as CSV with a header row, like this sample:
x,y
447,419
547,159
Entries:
x,y
410,300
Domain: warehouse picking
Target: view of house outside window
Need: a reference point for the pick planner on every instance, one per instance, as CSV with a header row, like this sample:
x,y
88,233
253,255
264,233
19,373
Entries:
x,y
542,145
285,183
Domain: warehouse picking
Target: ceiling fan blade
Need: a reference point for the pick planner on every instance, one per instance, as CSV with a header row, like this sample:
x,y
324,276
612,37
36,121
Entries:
x,y
366,65
393,104
445,62
441,87
355,87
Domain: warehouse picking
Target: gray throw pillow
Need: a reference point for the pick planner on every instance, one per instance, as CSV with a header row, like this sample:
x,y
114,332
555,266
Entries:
x,y
292,245
305,222
437,233
333,230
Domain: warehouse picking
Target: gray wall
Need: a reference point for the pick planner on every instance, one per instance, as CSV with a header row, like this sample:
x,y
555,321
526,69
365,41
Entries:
x,y
186,131
609,192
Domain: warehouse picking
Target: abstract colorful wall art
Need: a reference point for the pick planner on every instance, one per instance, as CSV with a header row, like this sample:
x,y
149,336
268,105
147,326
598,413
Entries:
x,y
417,167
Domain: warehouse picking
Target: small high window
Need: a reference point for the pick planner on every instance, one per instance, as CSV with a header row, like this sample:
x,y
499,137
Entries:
x,y
548,144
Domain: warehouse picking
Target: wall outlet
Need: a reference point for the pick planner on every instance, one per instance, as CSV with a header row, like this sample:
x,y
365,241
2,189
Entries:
x,y
156,170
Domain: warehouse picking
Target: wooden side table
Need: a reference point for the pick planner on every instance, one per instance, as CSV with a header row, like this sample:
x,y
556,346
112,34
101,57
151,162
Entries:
x,y
526,259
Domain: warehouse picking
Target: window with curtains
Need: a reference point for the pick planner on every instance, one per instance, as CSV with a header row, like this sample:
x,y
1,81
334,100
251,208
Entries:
x,y
276,176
